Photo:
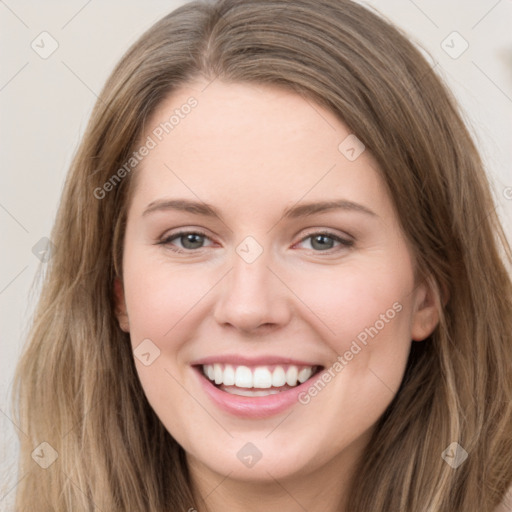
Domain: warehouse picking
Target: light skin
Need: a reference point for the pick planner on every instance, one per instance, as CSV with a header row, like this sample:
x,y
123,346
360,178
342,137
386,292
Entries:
x,y
252,151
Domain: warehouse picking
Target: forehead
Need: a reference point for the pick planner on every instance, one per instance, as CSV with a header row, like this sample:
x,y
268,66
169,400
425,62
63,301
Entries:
x,y
259,143
235,117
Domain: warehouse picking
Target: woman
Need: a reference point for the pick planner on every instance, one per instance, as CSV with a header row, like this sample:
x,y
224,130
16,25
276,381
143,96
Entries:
x,y
263,369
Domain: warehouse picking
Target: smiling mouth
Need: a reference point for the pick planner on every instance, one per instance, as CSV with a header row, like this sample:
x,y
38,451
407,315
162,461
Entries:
x,y
261,380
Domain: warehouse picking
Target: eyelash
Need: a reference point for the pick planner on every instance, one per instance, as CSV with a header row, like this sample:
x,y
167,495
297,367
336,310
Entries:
x,y
166,241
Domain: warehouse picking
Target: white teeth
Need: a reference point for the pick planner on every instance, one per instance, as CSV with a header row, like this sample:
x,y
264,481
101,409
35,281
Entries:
x,y
229,375
243,377
262,378
291,376
305,374
259,377
278,377
217,372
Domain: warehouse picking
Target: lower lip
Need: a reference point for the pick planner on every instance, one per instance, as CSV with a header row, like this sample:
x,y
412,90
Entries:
x,y
252,407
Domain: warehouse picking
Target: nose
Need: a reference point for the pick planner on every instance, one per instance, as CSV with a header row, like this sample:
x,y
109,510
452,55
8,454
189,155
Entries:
x,y
253,297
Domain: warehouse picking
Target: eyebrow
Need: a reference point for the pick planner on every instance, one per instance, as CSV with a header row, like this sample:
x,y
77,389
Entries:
x,y
302,210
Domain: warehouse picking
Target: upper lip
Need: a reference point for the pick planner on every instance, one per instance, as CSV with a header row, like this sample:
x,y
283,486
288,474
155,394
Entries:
x,y
239,360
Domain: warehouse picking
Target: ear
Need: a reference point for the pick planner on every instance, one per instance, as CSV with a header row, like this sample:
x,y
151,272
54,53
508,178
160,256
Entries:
x,y
120,305
425,310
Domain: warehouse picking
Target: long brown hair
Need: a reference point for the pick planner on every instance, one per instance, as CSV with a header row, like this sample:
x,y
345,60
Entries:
x,y
76,387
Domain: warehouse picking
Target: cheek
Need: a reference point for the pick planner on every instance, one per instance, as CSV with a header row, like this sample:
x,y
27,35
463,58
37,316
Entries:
x,y
162,305
166,305
159,295
360,301
365,312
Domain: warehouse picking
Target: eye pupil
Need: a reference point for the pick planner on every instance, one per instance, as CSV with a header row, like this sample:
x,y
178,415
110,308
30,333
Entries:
x,y
322,239
189,238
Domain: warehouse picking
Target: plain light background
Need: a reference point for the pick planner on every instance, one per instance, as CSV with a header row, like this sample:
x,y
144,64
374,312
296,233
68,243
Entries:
x,y
45,104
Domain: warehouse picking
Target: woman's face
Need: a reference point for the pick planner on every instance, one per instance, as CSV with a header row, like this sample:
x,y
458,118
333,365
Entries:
x,y
271,288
